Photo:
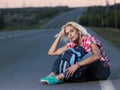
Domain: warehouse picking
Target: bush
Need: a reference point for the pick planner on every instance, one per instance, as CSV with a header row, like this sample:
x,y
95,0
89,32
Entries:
x,y
2,22
101,16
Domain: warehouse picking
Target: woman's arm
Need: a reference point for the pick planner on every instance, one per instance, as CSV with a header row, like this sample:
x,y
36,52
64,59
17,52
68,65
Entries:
x,y
57,51
96,56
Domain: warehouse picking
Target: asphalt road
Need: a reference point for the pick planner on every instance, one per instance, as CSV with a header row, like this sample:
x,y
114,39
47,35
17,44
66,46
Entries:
x,y
24,60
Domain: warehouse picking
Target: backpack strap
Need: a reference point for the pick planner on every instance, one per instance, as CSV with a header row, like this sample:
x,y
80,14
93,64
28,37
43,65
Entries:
x,y
77,53
63,65
60,67
72,59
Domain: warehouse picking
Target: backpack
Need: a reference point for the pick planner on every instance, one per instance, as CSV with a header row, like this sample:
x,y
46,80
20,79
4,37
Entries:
x,y
70,57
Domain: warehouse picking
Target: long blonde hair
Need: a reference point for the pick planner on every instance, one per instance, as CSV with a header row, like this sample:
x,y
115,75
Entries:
x,y
77,26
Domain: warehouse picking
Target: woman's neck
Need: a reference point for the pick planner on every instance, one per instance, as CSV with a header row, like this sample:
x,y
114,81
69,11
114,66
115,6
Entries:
x,y
78,41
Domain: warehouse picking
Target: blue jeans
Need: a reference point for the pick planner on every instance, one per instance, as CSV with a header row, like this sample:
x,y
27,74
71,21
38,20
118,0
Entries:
x,y
93,71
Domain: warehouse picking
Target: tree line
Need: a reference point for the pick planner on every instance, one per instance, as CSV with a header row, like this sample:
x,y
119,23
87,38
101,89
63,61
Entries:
x,y
102,16
27,17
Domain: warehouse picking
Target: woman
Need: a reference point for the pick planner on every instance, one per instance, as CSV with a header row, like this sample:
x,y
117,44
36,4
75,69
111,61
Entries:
x,y
94,67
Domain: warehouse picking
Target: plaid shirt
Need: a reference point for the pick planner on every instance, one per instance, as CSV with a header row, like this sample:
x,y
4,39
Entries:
x,y
86,42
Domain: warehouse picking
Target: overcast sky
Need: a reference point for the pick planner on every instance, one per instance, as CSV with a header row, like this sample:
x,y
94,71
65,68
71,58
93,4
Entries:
x,y
43,3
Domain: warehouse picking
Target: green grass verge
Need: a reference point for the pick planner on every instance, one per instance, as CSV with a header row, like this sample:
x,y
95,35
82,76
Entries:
x,y
111,34
36,26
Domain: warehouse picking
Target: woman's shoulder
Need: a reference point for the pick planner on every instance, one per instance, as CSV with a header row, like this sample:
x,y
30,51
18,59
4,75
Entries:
x,y
90,39
88,36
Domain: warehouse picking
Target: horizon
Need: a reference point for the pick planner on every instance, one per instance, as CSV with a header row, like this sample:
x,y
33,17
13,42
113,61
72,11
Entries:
x,y
55,3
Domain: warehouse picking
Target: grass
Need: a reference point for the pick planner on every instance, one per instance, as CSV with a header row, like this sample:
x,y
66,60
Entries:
x,y
111,34
36,26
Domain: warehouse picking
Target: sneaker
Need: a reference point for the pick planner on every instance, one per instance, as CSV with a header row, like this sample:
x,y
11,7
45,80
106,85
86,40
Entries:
x,y
53,80
44,80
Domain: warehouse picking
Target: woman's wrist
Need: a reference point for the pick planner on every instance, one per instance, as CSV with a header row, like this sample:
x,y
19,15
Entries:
x,y
77,64
59,36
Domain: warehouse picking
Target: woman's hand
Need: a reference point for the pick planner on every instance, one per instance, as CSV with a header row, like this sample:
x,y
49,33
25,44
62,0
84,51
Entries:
x,y
61,33
71,70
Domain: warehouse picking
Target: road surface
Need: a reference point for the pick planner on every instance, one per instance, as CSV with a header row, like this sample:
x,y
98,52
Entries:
x,y
24,59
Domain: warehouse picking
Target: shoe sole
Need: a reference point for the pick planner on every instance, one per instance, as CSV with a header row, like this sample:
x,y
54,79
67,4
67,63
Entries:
x,y
44,81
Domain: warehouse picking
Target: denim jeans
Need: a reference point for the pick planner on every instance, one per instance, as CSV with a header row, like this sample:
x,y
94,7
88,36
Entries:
x,y
93,71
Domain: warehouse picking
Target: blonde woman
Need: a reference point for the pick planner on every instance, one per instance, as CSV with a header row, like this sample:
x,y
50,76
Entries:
x,y
94,66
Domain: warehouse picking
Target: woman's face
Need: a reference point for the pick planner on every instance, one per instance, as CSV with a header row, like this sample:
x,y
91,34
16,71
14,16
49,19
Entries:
x,y
72,33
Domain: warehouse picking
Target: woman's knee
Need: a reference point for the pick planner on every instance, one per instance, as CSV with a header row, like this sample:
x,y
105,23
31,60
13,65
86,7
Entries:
x,y
102,75
98,71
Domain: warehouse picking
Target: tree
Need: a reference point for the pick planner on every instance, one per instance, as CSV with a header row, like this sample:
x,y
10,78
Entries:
x,y
2,22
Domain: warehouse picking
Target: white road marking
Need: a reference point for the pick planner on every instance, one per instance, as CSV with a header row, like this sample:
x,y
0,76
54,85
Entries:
x,y
20,34
107,85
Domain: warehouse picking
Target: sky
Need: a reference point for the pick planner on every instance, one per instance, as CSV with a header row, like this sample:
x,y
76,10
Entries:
x,y
52,3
